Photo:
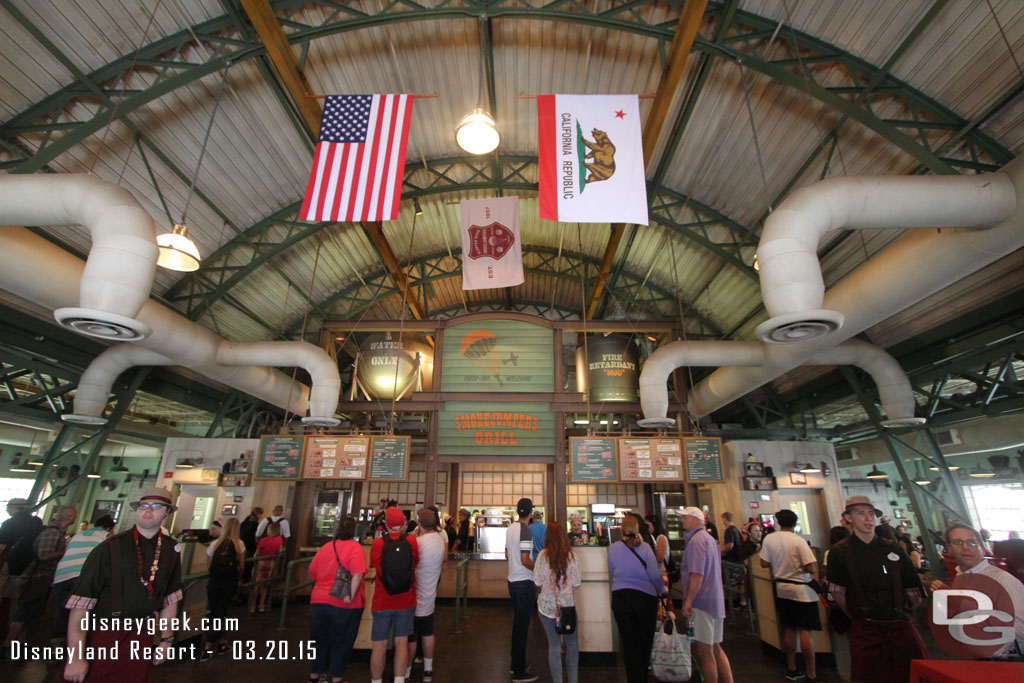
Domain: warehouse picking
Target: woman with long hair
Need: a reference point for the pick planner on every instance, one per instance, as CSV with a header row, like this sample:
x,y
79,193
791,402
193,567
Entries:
x,y
334,622
653,523
557,573
227,558
637,585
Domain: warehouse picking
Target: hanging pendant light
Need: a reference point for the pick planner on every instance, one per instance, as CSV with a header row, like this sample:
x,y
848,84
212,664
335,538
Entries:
x,y
177,250
922,478
876,473
979,473
477,132
37,458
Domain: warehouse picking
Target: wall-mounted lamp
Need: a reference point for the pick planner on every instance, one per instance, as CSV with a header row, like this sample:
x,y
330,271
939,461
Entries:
x,y
807,468
825,469
187,463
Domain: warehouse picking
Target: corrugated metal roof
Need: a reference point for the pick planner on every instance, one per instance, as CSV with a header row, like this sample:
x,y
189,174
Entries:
x,y
257,159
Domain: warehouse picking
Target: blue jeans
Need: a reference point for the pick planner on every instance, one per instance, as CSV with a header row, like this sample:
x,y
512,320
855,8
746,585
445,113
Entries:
x,y
572,652
524,604
334,629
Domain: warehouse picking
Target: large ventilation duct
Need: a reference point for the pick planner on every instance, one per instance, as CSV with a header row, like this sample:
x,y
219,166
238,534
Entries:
x,y
791,281
893,385
179,341
119,271
912,268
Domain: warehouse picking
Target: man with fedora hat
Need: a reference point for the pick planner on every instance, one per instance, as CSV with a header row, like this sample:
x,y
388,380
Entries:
x,y
875,583
132,575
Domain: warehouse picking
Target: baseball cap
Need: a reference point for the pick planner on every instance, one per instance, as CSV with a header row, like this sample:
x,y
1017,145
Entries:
x,y
693,512
393,518
861,501
524,506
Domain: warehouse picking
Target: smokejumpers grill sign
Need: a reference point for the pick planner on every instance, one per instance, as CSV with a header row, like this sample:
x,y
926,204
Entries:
x,y
473,428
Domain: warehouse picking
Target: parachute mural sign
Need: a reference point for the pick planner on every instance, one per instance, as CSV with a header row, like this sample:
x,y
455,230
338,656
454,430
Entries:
x,y
498,355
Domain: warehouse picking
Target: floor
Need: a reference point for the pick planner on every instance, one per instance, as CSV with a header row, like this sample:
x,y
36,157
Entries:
x,y
479,654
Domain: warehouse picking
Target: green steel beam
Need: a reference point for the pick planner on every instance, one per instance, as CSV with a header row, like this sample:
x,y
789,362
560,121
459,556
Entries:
x,y
649,298
223,39
259,245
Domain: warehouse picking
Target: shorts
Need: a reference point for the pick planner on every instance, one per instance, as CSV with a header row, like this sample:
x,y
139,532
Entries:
x,y
423,626
264,569
32,602
401,620
801,615
706,628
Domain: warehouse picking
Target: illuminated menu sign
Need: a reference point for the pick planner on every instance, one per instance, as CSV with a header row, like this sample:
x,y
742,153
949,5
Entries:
x,y
389,458
280,457
703,458
336,457
650,459
593,459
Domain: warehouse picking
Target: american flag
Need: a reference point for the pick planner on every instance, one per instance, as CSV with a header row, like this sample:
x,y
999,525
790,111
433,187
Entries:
x,y
359,159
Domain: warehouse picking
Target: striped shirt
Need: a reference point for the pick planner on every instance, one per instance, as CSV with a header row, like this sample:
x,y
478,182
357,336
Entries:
x,y
78,549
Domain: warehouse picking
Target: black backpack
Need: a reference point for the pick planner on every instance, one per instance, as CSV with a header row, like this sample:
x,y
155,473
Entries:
x,y
396,565
23,552
267,526
224,562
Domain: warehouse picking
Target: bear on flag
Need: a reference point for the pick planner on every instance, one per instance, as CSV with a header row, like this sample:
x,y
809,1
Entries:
x,y
591,159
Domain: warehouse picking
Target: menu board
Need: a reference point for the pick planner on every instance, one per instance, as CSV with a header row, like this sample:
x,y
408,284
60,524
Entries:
x,y
593,459
336,457
280,457
650,459
703,458
389,458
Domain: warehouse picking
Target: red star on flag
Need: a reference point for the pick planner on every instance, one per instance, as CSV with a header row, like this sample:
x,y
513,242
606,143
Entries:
x,y
620,114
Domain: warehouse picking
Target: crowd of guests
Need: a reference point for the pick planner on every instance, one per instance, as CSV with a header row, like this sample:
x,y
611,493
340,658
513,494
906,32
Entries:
x,y
870,576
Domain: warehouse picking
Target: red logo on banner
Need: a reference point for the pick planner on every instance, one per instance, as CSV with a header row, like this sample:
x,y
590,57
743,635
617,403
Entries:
x,y
490,241
974,618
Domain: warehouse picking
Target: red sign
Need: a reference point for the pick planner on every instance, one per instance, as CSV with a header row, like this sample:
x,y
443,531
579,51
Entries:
x,y
490,241
754,504
168,475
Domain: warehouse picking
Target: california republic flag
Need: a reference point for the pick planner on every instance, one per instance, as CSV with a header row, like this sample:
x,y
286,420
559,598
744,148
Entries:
x,y
492,253
591,159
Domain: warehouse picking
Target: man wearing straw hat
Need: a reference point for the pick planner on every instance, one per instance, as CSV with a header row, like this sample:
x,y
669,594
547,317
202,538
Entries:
x,y
875,583
130,576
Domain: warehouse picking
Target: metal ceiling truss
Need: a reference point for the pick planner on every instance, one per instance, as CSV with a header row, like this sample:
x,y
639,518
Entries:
x,y
259,245
83,444
940,139
650,299
32,386
235,412
935,504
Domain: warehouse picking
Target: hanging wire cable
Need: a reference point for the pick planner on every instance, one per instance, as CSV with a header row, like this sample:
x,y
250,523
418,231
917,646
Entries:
x,y
127,72
757,140
401,324
682,327
305,319
583,310
206,139
1002,34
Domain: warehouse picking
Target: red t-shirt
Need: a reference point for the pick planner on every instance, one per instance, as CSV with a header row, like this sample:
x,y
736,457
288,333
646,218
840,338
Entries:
x,y
325,565
381,599
269,545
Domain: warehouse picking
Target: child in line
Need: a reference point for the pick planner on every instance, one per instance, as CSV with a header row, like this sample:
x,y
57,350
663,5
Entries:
x,y
268,545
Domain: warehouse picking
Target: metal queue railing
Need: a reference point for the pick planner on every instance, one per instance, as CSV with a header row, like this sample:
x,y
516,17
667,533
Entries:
x,y
734,584
461,593
288,587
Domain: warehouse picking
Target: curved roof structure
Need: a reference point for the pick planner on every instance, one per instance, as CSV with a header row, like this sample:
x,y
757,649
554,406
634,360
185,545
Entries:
x,y
773,95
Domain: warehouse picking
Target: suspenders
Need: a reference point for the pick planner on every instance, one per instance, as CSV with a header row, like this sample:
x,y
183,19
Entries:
x,y
861,607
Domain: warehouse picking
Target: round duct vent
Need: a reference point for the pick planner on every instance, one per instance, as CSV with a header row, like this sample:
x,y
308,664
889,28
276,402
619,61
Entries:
x,y
84,420
101,324
321,421
801,326
656,422
904,422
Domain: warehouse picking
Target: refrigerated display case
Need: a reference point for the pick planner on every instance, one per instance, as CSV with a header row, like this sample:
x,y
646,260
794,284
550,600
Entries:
x,y
328,507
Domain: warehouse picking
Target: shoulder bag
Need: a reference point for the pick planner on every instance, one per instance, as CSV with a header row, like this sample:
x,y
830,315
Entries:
x,y
342,587
565,615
